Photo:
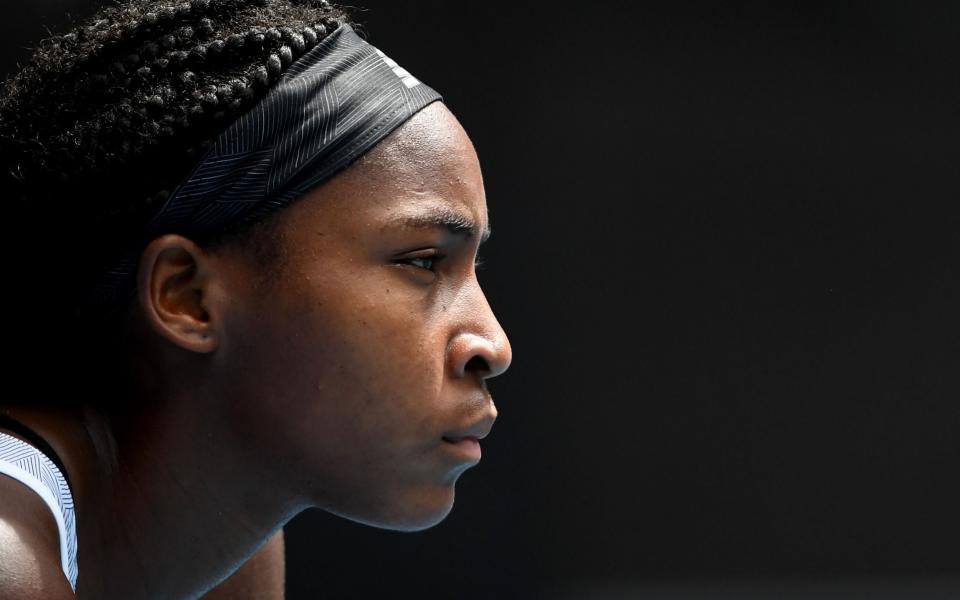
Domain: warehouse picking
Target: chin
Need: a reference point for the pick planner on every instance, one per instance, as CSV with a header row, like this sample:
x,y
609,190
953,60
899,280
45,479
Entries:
x,y
422,522
415,512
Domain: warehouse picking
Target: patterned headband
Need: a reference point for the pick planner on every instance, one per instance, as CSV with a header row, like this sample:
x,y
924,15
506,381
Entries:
x,y
328,108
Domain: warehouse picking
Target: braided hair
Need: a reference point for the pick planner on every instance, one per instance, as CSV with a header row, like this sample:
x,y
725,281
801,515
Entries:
x,y
107,118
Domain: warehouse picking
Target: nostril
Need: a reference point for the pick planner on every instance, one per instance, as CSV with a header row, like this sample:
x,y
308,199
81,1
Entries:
x,y
477,363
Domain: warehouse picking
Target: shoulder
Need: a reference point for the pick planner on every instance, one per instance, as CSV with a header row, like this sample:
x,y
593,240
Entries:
x,y
30,566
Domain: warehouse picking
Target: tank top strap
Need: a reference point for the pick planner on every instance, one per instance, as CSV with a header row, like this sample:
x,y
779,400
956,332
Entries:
x,y
33,438
39,472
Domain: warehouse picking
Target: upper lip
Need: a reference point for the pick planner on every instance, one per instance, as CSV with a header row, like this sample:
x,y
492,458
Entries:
x,y
478,430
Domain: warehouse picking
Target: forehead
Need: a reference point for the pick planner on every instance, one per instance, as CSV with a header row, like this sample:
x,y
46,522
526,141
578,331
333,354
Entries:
x,y
430,152
427,165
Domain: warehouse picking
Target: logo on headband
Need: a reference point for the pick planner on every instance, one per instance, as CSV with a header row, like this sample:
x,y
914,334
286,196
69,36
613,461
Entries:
x,y
404,75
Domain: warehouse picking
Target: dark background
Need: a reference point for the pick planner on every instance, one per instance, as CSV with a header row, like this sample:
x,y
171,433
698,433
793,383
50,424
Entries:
x,y
725,251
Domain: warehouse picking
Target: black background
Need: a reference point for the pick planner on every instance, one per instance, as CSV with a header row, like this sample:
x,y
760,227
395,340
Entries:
x,y
725,251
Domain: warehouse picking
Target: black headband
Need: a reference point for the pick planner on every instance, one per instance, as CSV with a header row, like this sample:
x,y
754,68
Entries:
x,y
328,108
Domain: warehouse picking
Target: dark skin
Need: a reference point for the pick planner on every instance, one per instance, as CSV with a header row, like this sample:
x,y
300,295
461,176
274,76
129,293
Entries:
x,y
340,388
27,529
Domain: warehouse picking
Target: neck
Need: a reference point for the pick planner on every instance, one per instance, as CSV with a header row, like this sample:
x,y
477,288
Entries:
x,y
174,515
183,510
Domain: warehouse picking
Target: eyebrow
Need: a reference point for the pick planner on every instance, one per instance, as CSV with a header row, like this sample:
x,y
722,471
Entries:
x,y
444,217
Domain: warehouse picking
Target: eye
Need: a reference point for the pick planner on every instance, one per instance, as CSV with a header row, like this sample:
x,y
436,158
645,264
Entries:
x,y
423,262
429,261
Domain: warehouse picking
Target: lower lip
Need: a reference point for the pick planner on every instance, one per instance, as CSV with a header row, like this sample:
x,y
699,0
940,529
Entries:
x,y
469,447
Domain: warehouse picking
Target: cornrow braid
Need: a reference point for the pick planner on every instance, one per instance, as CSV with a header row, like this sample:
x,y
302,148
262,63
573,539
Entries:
x,y
107,118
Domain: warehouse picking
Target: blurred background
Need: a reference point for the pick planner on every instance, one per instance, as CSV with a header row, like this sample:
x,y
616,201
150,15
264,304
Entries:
x,y
725,251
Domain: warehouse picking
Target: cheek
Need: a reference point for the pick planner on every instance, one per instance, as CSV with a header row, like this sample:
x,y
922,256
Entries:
x,y
343,403
360,406
357,366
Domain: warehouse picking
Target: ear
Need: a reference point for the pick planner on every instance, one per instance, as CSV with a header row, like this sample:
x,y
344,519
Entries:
x,y
175,281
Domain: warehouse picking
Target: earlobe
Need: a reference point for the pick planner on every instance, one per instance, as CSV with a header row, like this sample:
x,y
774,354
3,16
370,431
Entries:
x,y
172,293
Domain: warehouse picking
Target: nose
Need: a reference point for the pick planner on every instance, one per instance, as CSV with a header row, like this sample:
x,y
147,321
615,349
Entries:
x,y
480,345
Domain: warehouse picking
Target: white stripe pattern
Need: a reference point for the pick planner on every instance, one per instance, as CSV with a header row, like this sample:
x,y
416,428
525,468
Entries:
x,y
30,466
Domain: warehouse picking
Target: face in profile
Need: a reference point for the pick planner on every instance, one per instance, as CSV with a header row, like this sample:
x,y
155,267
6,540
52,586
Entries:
x,y
376,341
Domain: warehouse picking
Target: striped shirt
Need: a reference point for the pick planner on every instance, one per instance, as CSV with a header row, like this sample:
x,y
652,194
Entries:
x,y
37,471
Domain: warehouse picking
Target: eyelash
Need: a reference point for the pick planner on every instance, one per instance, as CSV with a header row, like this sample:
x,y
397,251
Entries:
x,y
477,264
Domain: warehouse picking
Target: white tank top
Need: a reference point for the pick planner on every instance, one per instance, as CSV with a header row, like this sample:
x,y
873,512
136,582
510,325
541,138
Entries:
x,y
27,464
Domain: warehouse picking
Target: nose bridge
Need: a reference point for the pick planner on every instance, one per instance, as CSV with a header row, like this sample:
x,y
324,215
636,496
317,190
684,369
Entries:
x,y
480,333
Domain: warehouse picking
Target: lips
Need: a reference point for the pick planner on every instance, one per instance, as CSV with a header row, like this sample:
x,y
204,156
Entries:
x,y
466,448
455,440
478,430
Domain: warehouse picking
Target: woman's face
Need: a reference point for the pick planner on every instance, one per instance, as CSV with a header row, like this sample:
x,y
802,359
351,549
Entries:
x,y
376,341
